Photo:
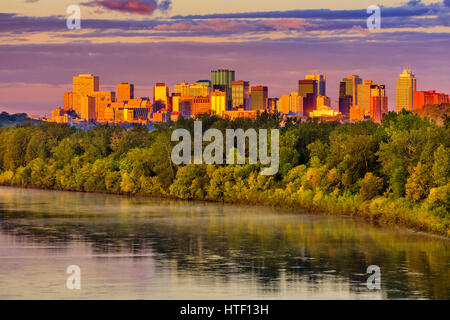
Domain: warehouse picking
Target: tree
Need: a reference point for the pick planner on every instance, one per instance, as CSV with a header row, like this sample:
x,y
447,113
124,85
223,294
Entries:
x,y
371,186
398,178
417,186
441,166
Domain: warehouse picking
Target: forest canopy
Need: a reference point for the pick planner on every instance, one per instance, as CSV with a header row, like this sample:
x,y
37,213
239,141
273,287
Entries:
x,y
396,172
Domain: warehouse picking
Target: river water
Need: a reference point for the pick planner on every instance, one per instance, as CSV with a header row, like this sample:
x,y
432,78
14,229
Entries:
x,y
140,248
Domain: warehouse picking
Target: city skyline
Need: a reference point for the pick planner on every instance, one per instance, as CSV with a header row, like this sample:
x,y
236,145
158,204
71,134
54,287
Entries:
x,y
274,45
227,98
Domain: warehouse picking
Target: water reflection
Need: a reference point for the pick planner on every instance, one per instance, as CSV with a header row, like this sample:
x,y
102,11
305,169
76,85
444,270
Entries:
x,y
144,248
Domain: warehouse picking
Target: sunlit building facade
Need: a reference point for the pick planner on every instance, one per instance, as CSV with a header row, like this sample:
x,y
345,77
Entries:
x,y
307,89
222,80
406,86
323,101
87,111
292,103
321,83
348,93
422,98
160,96
182,89
218,102
199,89
259,98
240,94
125,91
325,112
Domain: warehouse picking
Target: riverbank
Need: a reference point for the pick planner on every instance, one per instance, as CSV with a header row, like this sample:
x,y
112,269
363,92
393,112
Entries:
x,y
380,210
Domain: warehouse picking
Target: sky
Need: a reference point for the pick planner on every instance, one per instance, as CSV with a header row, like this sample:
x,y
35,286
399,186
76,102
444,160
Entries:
x,y
272,43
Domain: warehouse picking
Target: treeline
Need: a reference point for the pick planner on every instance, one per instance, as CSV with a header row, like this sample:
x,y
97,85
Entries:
x,y
11,120
438,112
397,172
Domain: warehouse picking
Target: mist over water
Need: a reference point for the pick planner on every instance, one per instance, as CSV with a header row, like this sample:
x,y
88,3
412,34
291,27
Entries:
x,y
140,248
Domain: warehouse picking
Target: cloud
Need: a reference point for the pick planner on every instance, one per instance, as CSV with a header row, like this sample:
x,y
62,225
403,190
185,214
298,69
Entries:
x,y
412,16
142,7
165,5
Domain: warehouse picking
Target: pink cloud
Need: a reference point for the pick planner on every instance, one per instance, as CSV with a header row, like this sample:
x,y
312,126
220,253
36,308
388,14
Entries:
x,y
143,7
286,24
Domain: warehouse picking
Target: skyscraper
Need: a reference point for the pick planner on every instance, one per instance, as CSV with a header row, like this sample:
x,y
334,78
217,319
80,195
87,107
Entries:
x,y
348,93
406,86
199,89
378,103
259,98
182,89
83,84
125,91
218,102
321,83
160,96
308,90
292,103
87,108
222,80
240,94
364,95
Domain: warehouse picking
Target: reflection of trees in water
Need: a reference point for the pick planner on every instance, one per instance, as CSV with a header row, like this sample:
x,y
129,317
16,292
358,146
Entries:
x,y
240,241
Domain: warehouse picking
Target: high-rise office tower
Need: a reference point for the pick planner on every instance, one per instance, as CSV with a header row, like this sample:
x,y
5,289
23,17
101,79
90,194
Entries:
x,y
365,95
272,104
125,92
218,102
199,89
345,100
292,103
352,83
87,108
160,96
222,80
348,93
259,98
308,90
240,94
182,89
102,100
378,102
321,83
83,84
406,86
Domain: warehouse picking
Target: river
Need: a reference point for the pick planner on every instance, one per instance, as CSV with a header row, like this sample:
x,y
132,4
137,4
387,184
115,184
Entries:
x,y
141,248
